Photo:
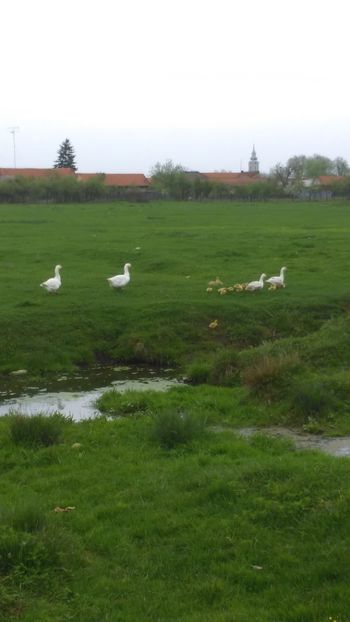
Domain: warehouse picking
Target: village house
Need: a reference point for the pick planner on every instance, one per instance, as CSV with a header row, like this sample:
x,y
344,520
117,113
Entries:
x,y
34,173
121,180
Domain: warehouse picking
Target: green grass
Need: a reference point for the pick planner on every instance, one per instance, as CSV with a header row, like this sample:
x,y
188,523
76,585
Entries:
x,y
217,528
174,520
163,316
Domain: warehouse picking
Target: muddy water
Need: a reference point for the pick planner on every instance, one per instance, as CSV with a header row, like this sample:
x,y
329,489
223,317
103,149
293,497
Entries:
x,y
75,394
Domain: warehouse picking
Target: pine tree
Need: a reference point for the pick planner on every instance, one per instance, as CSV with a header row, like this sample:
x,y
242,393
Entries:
x,y
66,156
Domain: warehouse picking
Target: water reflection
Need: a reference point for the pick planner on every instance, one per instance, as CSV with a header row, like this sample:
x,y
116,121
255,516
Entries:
x,y
75,394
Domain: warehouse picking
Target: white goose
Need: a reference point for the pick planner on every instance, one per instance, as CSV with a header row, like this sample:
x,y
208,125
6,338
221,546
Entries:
x,y
277,280
120,280
254,286
53,284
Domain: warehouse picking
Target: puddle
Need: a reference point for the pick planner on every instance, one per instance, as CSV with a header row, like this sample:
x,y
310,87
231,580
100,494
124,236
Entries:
x,y
335,446
75,395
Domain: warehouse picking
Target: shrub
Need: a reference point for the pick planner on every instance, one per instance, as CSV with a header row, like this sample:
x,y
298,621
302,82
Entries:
x,y
174,427
37,429
269,371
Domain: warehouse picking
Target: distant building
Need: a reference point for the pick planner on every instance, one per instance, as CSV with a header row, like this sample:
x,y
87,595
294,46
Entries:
x,y
233,179
122,180
253,162
35,173
229,178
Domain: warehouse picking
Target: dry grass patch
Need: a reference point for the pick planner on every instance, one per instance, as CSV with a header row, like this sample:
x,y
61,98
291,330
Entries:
x,y
269,371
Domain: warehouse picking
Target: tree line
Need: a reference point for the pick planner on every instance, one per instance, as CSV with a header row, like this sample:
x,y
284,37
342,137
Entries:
x,y
56,189
173,181
298,168
284,180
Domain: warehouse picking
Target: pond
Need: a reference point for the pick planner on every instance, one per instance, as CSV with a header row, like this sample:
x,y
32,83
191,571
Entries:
x,y
75,394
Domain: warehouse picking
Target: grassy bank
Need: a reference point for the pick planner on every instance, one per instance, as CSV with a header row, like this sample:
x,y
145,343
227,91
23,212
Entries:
x,y
175,249
215,528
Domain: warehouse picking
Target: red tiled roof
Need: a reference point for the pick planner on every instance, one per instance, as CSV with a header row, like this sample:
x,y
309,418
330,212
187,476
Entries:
x,y
328,180
35,172
118,179
233,179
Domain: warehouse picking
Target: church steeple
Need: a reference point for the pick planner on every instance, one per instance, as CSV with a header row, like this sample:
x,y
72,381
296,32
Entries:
x,y
253,162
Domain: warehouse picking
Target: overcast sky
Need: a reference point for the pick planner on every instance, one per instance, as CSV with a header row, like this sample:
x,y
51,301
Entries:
x,y
135,82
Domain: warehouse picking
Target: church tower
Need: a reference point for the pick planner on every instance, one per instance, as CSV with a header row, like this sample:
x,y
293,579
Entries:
x,y
253,162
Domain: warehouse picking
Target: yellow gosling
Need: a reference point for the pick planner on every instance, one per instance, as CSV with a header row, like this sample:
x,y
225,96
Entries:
x,y
215,283
214,324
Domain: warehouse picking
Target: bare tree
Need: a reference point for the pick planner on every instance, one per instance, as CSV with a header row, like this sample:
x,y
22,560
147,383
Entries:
x,y
281,174
341,167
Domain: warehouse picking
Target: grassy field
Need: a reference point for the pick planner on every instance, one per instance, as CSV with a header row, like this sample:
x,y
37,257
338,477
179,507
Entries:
x,y
289,348
175,517
216,529
175,249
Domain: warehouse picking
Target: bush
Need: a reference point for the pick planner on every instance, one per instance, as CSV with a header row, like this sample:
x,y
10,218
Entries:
x,y
269,371
37,429
174,427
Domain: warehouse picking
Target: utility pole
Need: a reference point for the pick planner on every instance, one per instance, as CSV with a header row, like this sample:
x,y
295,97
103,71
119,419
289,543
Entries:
x,y
13,131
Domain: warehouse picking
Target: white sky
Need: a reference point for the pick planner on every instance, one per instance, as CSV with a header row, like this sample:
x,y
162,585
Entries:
x,y
135,82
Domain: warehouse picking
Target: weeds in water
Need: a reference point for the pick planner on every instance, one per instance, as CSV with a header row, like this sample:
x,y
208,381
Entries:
x,y
125,404
174,427
199,372
37,429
